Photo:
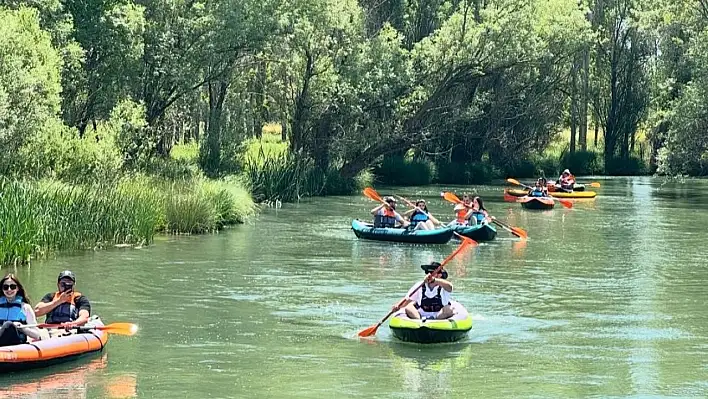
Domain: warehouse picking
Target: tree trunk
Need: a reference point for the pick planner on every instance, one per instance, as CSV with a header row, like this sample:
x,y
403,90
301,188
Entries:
x,y
584,96
211,155
573,105
299,116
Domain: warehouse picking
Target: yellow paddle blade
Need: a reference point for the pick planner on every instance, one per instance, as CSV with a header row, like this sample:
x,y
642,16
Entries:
x,y
595,184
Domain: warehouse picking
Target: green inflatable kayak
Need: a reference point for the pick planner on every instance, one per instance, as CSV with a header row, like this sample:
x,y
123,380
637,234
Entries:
x,y
432,331
367,231
480,232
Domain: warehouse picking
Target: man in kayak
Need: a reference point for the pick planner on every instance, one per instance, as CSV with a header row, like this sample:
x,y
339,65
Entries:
x,y
66,306
385,215
432,301
566,181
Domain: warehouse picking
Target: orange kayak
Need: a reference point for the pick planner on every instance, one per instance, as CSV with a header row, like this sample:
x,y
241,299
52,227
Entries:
x,y
537,202
53,350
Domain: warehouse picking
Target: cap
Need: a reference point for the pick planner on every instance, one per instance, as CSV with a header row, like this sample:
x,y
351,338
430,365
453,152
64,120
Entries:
x,y
67,274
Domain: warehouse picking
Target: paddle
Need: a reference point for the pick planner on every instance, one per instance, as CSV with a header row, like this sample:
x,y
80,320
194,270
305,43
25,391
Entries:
x,y
113,328
466,243
412,205
565,203
373,195
517,231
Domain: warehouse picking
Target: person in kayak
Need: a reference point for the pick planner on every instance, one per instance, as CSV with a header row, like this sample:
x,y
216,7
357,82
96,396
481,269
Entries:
x,y
478,213
66,306
16,310
432,301
540,189
385,215
566,181
461,211
418,219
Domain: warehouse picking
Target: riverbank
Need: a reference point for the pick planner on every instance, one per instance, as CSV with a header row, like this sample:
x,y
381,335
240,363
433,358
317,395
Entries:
x,y
39,217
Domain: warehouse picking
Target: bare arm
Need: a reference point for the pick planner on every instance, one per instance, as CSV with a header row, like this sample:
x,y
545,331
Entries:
x,y
377,209
32,332
83,317
42,308
446,285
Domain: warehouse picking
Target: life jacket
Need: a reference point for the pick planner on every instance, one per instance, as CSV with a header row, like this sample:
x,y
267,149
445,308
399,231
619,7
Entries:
x,y
433,304
418,217
537,192
65,312
385,220
461,213
478,217
12,311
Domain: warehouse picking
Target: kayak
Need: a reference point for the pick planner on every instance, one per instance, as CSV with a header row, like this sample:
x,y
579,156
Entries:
x,y
479,232
537,202
557,194
557,187
367,231
53,350
432,331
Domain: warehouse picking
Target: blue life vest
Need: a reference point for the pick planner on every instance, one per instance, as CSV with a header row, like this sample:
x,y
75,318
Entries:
x,y
433,304
537,193
418,217
65,312
12,311
478,217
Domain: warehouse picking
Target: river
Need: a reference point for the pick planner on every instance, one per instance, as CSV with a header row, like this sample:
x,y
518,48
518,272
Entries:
x,y
604,300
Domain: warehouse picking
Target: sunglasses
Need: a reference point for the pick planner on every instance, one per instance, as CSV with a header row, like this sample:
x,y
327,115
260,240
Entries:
x,y
7,287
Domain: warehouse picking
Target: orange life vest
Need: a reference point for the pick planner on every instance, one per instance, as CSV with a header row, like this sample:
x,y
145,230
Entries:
x,y
65,312
461,213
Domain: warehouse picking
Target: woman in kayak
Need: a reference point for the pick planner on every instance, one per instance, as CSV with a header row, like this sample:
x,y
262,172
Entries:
x,y
540,190
478,213
432,301
421,220
385,215
566,181
15,310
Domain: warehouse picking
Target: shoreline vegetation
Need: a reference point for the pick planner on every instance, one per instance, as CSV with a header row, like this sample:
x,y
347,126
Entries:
x,y
116,122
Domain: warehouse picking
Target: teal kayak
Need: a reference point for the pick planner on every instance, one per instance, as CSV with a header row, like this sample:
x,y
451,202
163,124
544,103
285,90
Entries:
x,y
480,232
367,231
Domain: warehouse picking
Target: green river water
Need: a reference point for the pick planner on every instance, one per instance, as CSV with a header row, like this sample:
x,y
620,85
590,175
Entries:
x,y
607,299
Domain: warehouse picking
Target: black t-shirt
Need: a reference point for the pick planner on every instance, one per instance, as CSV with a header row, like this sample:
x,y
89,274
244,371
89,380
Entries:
x,y
81,302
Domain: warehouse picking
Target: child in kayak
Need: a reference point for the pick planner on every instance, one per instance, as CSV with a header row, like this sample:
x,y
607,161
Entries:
x,y
385,215
432,301
477,214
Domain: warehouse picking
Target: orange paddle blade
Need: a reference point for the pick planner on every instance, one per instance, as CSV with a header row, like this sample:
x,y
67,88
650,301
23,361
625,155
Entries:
x,y
595,184
566,203
372,194
450,197
367,332
514,181
519,232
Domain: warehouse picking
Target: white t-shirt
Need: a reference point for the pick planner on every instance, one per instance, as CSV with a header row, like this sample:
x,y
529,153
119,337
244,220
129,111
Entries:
x,y
416,297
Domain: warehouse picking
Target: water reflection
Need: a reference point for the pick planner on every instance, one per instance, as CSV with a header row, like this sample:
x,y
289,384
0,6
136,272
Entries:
x,y
83,379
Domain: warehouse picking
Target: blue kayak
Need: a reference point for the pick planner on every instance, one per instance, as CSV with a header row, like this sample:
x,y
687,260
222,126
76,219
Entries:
x,y
479,232
368,231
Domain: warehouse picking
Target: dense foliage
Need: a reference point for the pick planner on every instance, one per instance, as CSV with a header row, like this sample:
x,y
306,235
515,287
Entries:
x,y
460,88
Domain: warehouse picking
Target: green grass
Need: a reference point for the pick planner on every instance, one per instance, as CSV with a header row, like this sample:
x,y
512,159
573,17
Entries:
x,y
40,217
